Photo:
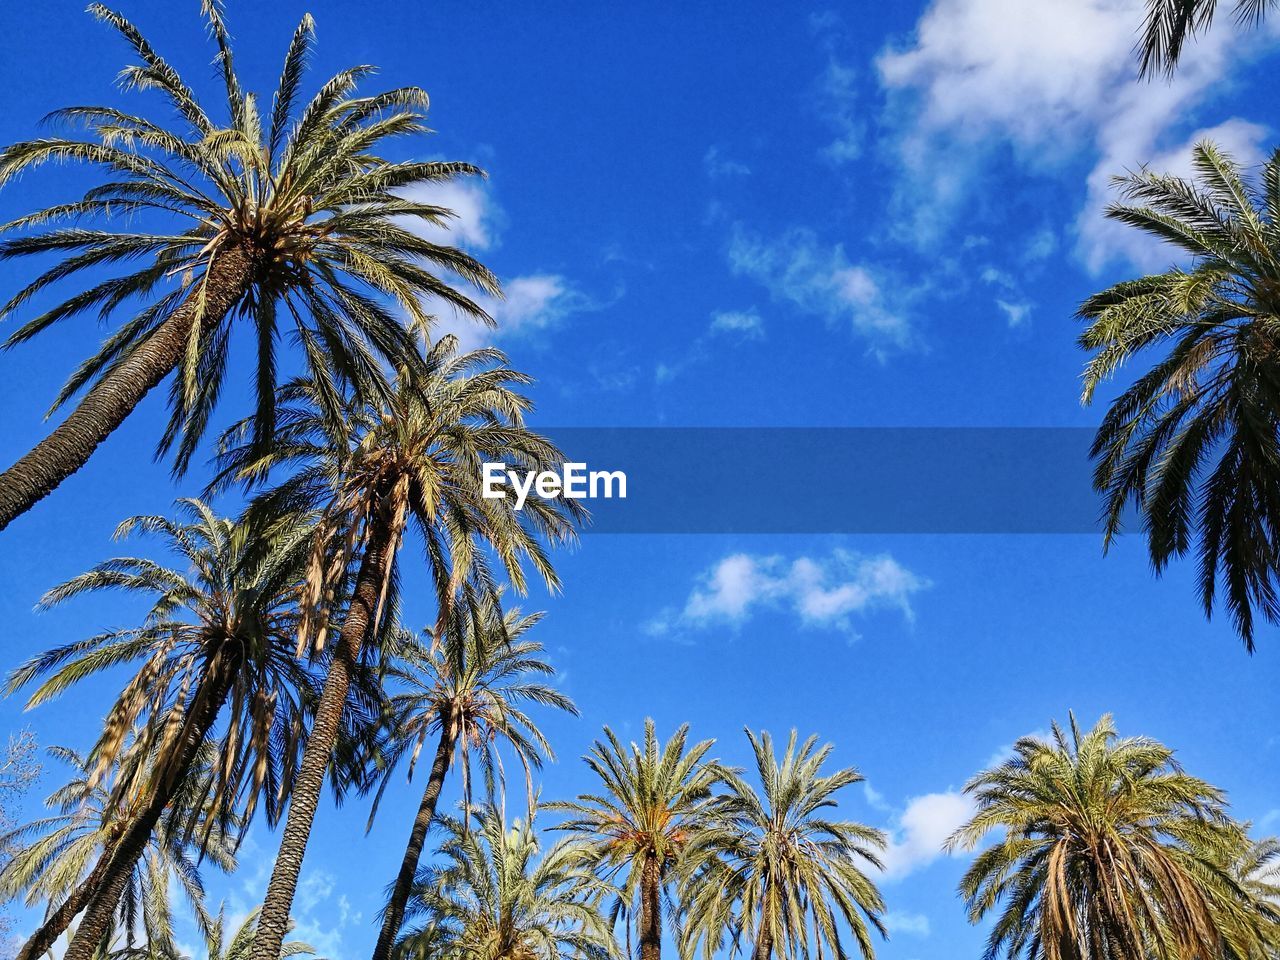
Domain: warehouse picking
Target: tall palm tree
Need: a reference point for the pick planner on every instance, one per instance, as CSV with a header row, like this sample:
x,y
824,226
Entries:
x,y
221,630
470,690
656,800
499,896
1106,850
1169,24
776,869
373,470
1193,442
288,218
53,857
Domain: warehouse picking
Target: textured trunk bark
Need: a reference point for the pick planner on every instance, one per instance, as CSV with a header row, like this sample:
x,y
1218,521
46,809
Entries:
x,y
273,920
56,924
413,852
764,942
124,855
106,406
651,909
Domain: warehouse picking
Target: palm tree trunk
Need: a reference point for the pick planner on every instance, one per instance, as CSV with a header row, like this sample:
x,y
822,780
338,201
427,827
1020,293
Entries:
x,y
55,925
114,397
764,941
650,909
413,852
273,920
124,854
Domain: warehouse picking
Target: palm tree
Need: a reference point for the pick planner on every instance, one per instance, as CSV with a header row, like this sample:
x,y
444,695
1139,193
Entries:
x,y
371,469
54,856
217,946
222,631
656,801
775,868
291,217
1193,443
1106,849
1170,24
470,690
1257,871
499,896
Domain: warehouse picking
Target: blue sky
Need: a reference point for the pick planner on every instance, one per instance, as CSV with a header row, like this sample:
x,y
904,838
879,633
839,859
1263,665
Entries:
x,y
747,214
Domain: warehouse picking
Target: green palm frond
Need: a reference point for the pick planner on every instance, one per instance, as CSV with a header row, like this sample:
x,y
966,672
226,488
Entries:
x,y
232,596
334,252
53,855
495,893
1105,847
1193,445
655,801
773,869
1170,24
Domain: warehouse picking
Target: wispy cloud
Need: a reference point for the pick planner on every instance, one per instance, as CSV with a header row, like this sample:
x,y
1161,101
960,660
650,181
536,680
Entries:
x,y
739,325
532,306
820,280
746,323
1041,82
718,164
907,923
820,591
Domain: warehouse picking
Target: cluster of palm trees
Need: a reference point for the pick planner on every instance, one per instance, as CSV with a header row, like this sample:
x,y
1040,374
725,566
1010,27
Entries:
x,y
272,658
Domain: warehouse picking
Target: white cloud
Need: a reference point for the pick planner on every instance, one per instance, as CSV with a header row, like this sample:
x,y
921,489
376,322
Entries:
x,y
820,280
821,592
1101,240
875,799
533,304
905,922
1015,313
748,323
1051,80
718,165
836,104
916,839
1041,245
477,220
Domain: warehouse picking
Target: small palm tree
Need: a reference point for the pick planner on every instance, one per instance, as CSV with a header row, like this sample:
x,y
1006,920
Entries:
x,y
1171,23
775,869
372,471
217,946
655,803
54,857
499,896
290,218
1193,444
1106,849
470,690
222,631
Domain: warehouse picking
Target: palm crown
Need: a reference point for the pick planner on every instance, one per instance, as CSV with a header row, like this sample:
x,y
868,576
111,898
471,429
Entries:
x,y
222,630
499,896
1107,849
774,868
656,800
470,688
473,686
414,454
291,218
53,856
1194,442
